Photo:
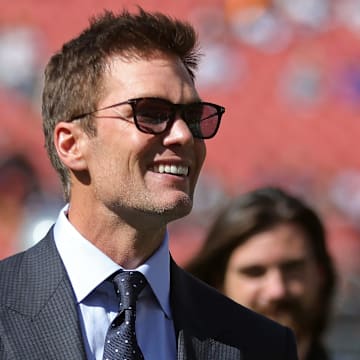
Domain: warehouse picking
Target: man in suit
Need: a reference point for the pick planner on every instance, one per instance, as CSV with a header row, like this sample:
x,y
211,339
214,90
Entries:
x,y
125,129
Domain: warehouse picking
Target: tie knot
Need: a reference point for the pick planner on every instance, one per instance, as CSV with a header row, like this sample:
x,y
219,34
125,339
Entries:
x,y
128,284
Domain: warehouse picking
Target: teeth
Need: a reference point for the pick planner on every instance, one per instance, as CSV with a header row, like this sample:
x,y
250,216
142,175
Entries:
x,y
172,169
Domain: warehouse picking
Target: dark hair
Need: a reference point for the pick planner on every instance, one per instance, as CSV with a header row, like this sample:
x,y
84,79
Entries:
x,y
74,75
253,213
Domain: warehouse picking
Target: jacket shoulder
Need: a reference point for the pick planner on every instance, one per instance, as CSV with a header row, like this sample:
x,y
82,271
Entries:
x,y
24,270
9,270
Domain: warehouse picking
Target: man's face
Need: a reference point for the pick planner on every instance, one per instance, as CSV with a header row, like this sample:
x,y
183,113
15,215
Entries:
x,y
123,163
274,273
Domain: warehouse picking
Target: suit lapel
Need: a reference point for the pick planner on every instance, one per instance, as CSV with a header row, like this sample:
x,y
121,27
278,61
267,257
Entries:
x,y
195,341
190,347
43,307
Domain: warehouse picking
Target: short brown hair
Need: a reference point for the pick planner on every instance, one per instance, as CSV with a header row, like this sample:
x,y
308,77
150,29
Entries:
x,y
74,75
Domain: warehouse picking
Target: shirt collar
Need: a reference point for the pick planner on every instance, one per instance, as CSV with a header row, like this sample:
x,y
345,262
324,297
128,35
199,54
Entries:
x,y
88,267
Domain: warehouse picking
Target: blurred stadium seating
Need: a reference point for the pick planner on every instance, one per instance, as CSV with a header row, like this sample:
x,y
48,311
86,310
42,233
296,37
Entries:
x,y
288,73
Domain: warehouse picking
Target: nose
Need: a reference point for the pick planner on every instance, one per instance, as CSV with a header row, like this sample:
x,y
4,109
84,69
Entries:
x,y
179,133
274,286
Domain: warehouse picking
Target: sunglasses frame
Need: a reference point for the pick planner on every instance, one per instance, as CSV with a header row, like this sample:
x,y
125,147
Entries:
x,y
175,108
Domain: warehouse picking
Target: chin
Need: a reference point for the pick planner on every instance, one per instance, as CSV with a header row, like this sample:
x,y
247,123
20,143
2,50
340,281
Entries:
x,y
178,209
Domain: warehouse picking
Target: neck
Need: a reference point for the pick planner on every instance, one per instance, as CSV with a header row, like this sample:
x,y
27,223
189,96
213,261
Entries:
x,y
126,244
303,346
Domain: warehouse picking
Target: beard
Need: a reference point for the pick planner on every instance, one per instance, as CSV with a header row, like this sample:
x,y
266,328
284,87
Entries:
x,y
293,314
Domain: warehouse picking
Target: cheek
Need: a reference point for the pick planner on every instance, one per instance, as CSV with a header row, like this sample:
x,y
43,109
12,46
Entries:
x,y
200,155
201,151
199,146
111,153
306,286
308,290
240,289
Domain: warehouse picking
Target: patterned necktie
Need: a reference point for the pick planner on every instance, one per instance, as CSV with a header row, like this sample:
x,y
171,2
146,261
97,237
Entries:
x,y
120,342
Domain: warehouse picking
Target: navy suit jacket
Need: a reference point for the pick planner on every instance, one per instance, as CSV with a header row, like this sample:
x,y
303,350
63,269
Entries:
x,y
39,319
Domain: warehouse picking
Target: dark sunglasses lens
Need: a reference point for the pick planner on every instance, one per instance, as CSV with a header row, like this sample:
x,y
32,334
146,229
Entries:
x,y
203,120
152,115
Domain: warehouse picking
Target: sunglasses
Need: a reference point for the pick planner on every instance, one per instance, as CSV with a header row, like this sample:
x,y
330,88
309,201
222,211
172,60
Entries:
x,y
155,116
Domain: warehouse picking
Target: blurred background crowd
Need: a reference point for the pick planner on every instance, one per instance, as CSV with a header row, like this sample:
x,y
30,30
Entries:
x,y
288,73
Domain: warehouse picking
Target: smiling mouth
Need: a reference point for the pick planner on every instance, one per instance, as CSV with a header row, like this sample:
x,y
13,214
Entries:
x,y
178,170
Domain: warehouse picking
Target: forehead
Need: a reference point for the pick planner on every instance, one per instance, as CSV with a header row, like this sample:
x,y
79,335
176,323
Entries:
x,y
285,242
159,75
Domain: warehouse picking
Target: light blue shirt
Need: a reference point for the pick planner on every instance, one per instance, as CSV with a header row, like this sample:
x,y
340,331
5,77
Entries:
x,y
88,267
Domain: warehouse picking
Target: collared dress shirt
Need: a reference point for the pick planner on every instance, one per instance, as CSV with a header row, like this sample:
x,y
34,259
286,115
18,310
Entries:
x,y
88,269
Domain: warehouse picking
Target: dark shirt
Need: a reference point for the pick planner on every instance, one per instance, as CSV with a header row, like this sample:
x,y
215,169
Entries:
x,y
317,352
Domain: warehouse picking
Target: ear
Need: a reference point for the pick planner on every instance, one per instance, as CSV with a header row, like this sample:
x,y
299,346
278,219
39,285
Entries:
x,y
69,142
